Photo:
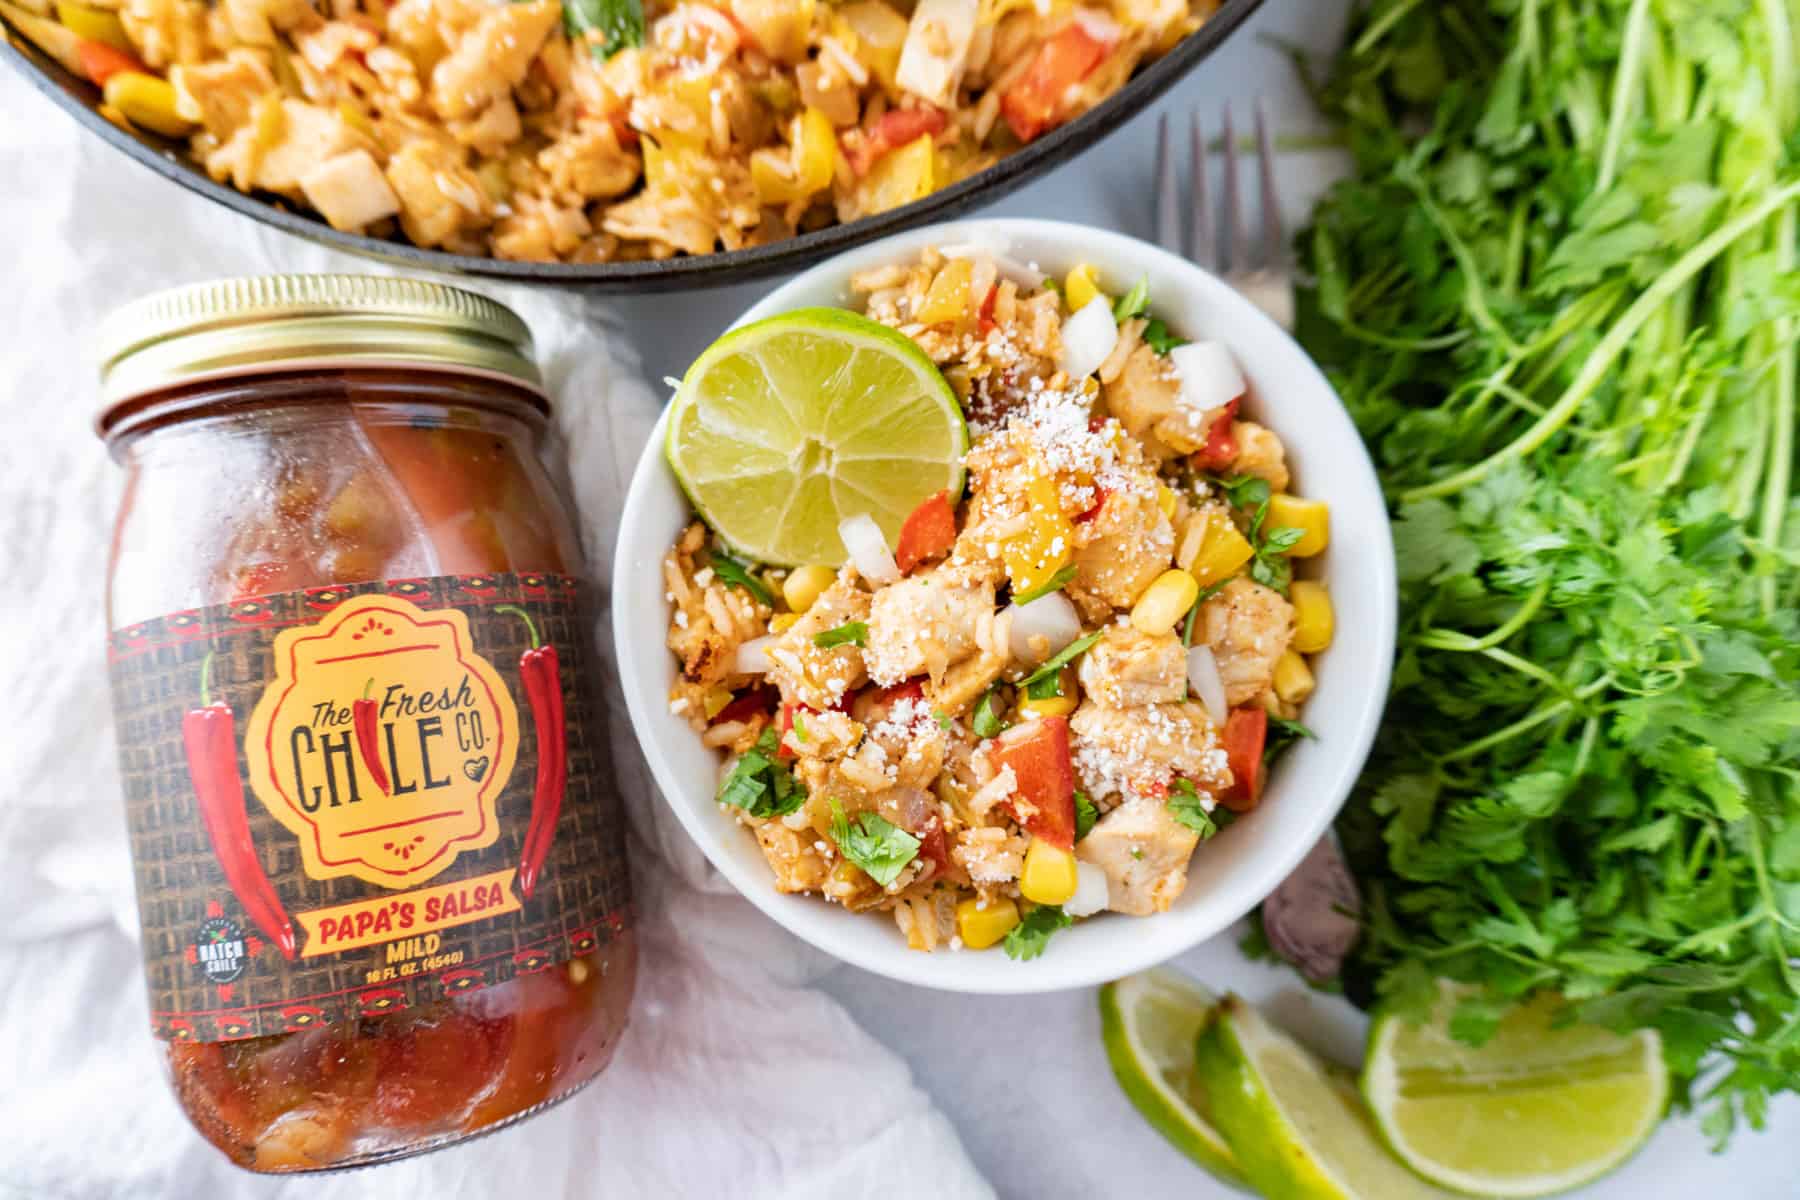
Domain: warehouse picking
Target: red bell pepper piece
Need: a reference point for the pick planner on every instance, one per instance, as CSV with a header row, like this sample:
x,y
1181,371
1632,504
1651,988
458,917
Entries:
x,y
1221,447
1033,104
1246,730
1038,753
100,62
928,533
1092,510
752,703
893,129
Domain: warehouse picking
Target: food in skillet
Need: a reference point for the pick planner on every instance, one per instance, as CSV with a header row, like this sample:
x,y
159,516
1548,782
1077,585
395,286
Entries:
x,y
1029,696
595,130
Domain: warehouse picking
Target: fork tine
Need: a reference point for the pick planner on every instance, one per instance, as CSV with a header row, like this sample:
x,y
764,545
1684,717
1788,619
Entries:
x,y
1233,201
1204,234
1274,242
1168,225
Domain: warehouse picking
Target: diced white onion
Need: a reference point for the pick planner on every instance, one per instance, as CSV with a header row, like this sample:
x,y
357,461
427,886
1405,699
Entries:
x,y
1088,337
1098,25
752,657
1209,375
1203,677
1050,617
868,549
1090,891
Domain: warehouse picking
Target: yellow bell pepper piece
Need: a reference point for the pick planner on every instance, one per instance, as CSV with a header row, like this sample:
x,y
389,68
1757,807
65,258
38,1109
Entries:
x,y
1314,621
1165,500
1165,602
1044,547
147,102
1223,551
95,24
1060,705
1049,874
980,927
1311,517
716,700
1080,286
805,585
1293,678
948,297
902,176
782,622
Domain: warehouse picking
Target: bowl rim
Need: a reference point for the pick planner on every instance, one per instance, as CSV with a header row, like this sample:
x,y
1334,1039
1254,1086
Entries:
x,y
168,158
1152,941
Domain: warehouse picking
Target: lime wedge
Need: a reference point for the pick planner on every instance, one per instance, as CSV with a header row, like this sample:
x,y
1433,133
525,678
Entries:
x,y
785,427
1532,1111
1296,1125
1149,1022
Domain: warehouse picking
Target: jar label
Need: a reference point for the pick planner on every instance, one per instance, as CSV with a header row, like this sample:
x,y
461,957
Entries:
x,y
361,798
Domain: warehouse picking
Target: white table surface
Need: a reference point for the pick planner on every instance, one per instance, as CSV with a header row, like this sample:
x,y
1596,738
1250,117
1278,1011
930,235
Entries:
x,y
1071,1132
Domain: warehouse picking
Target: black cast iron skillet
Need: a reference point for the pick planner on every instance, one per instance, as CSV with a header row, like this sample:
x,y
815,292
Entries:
x,y
169,159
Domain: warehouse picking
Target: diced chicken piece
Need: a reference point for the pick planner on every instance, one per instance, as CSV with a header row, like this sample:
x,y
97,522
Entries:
x,y
281,143
913,740
793,856
1145,392
965,683
255,22
1144,852
1248,627
1260,453
488,61
440,198
221,94
937,49
540,230
826,89
1136,750
991,856
812,675
710,621
1127,544
334,40
827,736
590,164
924,624
490,131
1127,668
165,32
350,191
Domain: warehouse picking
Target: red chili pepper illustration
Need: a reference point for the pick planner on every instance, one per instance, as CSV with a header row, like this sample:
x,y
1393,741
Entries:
x,y
364,719
209,734
542,676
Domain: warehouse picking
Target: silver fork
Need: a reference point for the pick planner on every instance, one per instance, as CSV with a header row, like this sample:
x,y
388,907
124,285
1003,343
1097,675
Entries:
x,y
1261,274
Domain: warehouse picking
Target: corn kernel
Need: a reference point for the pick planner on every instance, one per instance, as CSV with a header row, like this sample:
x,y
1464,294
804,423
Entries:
x,y
716,700
1311,517
948,297
147,102
95,24
1056,706
901,176
1048,876
1034,555
1165,602
782,622
1223,550
804,586
1313,619
1080,286
1293,678
980,927
1165,500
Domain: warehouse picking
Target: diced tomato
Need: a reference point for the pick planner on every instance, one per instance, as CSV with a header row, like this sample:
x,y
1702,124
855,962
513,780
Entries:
x,y
1038,753
893,129
752,703
1246,729
1033,104
934,847
984,317
928,533
1093,510
100,62
787,723
1221,448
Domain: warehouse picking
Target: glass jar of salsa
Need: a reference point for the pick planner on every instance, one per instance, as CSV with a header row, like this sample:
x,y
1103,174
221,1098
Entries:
x,y
296,447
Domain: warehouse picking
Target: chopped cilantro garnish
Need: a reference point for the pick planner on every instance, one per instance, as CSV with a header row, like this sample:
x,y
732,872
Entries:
x,y
874,843
1133,303
850,633
943,719
1270,565
1055,583
1085,815
987,721
1157,336
1027,939
1282,734
735,573
1054,664
760,783
1188,809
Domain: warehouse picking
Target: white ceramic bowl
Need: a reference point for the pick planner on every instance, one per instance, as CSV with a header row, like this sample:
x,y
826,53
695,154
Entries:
x,y
1228,875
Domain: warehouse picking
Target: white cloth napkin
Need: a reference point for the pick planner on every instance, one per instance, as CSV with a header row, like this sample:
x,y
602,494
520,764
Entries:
x,y
736,1077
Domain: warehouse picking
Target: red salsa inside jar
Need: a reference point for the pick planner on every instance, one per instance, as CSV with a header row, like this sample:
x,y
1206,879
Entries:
x,y
380,867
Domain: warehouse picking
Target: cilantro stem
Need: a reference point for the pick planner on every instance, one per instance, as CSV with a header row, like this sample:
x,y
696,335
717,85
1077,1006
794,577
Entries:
x,y
1607,352
1450,639
1625,86
1781,442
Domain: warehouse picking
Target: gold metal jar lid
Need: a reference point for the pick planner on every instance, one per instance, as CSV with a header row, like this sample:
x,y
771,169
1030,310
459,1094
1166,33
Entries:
x,y
283,323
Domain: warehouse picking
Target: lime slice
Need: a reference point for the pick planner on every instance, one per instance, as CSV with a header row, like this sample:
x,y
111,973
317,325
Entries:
x,y
1149,1022
1534,1110
1296,1125
785,427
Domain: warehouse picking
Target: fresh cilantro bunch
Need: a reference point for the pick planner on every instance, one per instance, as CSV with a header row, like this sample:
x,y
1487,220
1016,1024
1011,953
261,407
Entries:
x,y
1558,295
